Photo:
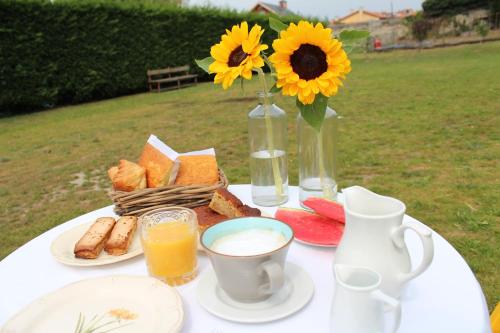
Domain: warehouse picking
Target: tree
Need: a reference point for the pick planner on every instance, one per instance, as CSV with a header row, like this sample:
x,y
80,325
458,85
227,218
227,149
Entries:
x,y
482,28
434,8
419,26
420,29
157,2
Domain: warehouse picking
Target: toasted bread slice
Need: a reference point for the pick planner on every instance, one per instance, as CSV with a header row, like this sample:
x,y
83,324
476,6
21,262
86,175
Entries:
x,y
121,236
92,242
207,217
249,211
226,203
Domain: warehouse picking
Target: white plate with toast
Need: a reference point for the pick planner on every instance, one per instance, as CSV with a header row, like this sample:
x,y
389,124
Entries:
x,y
121,304
62,249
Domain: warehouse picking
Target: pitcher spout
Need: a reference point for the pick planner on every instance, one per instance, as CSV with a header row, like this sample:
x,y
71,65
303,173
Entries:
x,y
359,201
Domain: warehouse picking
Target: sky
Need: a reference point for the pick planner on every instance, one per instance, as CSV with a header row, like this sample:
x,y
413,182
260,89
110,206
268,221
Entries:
x,y
320,8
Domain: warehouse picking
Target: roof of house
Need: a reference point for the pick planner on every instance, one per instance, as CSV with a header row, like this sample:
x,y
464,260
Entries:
x,y
381,15
367,12
276,9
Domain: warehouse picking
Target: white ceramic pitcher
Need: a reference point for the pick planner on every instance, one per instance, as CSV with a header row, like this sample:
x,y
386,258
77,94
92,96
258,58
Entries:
x,y
374,238
358,304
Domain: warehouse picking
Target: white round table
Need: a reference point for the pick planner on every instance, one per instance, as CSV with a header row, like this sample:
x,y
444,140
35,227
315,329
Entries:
x,y
445,298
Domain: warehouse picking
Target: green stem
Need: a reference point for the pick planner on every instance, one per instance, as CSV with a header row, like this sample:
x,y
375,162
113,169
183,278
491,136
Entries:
x,y
278,182
327,190
269,64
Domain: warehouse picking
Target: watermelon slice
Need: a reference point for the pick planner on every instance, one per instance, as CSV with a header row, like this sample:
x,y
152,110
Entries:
x,y
326,208
311,227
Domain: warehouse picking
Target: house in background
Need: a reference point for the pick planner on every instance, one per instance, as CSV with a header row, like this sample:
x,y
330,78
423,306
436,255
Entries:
x,y
364,16
360,16
267,8
405,13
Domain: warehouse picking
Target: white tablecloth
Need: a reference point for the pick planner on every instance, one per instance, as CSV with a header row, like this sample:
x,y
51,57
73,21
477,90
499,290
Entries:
x,y
445,298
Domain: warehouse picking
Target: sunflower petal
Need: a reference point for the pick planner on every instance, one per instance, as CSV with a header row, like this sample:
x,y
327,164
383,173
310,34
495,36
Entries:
x,y
219,77
302,84
227,82
258,62
314,86
231,44
293,89
247,74
219,53
293,78
218,67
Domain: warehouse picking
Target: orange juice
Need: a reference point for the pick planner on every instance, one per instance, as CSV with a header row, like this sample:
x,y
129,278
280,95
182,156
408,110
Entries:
x,y
170,250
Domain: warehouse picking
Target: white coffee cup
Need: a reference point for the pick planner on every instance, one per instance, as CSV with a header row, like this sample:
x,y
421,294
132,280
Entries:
x,y
248,273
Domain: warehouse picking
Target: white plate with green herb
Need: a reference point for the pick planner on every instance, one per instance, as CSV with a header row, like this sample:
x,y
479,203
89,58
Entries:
x,y
121,304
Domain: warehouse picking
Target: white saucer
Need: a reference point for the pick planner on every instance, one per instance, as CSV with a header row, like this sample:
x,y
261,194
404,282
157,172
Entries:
x,y
294,295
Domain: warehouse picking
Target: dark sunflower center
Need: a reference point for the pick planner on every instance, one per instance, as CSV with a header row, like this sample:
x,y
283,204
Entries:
x,y
236,57
309,61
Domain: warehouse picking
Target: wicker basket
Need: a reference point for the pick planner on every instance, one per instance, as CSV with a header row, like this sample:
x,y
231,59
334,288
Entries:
x,y
141,201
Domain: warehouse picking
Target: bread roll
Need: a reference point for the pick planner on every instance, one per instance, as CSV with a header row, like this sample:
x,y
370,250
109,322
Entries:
x,y
128,176
112,172
121,236
92,242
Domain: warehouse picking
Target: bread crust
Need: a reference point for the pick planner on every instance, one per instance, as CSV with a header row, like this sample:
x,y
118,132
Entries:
x,y
197,170
207,217
121,236
226,203
92,242
249,211
160,170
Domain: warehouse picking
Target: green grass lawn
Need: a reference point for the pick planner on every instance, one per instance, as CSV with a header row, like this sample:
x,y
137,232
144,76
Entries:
x,y
422,126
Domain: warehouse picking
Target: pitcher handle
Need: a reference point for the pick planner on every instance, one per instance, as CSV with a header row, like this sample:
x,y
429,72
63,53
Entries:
x,y
393,304
428,246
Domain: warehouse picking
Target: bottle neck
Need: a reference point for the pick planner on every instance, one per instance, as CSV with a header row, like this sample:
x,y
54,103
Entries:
x,y
265,98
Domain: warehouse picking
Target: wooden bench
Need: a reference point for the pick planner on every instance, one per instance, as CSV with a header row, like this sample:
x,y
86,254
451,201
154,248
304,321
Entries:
x,y
170,74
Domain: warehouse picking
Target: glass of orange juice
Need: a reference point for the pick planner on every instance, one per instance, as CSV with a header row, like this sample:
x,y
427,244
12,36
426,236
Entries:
x,y
170,240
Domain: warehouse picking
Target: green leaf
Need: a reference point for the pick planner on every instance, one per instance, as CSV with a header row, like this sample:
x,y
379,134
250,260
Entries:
x,y
274,89
204,63
276,24
352,35
314,113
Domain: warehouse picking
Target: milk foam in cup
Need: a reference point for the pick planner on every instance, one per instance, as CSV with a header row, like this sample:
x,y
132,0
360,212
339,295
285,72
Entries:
x,y
249,242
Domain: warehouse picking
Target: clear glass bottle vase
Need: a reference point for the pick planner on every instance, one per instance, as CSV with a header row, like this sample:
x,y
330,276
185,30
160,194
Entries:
x,y
267,133
317,154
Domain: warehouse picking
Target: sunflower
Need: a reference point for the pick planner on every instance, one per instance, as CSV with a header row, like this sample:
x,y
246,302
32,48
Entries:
x,y
237,54
309,61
